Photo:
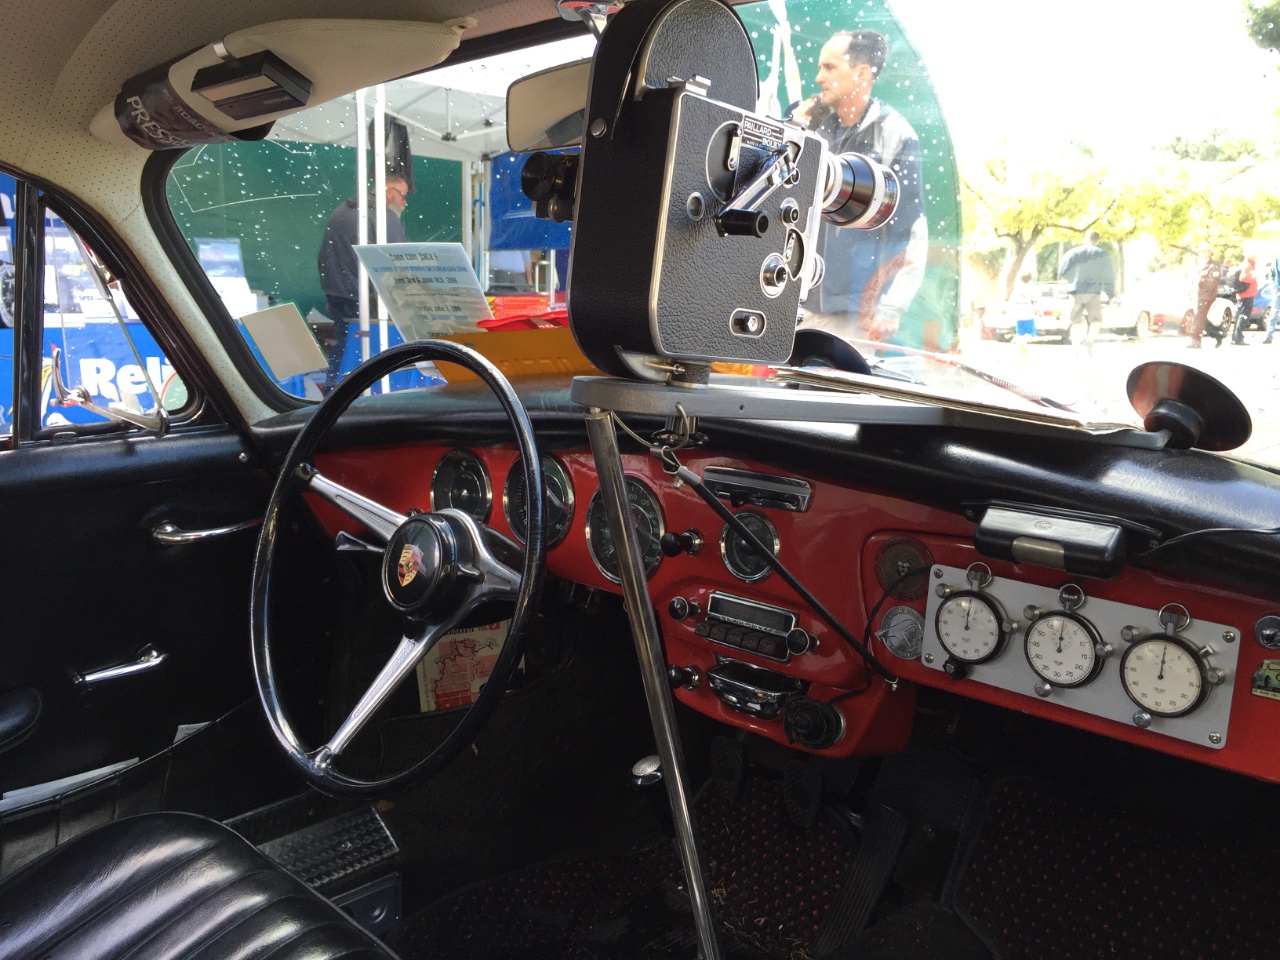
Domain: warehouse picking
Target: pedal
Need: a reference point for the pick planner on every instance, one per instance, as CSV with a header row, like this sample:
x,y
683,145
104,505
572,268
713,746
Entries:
x,y
339,853
802,793
883,836
728,763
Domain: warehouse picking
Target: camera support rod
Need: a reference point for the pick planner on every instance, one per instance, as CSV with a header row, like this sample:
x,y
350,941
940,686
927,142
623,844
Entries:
x,y
653,668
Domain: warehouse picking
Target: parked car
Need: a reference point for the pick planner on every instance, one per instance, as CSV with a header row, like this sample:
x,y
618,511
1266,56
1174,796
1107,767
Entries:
x,y
600,655
1049,306
1163,302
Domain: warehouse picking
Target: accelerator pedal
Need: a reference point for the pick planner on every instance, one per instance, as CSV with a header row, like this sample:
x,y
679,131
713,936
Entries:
x,y
883,837
802,793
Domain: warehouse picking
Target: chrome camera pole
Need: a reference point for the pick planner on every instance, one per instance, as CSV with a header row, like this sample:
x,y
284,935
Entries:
x,y
653,667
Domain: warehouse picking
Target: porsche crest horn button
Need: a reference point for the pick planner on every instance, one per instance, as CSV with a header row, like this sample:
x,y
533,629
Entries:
x,y
415,561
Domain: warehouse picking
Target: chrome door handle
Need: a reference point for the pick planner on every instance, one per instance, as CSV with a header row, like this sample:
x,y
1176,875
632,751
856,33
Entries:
x,y
171,535
149,658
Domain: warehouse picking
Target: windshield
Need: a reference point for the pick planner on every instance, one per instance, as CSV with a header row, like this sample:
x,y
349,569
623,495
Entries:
x,y
1077,199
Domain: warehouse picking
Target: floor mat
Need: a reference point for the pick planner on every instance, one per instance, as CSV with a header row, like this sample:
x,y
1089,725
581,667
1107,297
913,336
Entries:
x,y
1051,875
771,884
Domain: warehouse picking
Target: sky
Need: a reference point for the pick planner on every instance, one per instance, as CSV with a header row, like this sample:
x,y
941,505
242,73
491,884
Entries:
x,y
1115,75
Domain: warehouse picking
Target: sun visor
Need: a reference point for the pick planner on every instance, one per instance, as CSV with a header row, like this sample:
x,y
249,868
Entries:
x,y
255,76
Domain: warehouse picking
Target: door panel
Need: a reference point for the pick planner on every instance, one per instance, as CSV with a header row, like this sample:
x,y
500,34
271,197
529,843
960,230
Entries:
x,y
86,586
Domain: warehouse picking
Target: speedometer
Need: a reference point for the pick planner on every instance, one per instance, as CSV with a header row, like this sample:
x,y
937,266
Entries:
x,y
558,512
461,482
646,519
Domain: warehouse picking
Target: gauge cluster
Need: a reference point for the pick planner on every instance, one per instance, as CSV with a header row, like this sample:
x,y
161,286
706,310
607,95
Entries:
x,y
1152,669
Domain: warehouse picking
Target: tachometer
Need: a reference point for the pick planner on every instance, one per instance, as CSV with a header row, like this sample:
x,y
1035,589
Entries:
x,y
646,515
461,481
740,556
558,511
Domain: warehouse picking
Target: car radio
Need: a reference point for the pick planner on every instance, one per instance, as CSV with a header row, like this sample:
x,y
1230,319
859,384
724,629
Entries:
x,y
767,631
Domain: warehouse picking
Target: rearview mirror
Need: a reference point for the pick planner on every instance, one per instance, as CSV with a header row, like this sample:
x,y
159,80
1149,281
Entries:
x,y
547,110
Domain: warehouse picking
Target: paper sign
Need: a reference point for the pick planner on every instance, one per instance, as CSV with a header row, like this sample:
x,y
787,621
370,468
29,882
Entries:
x,y
455,670
285,341
430,289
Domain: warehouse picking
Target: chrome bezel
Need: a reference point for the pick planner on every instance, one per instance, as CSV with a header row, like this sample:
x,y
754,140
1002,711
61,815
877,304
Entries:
x,y
662,528
486,493
1095,639
1186,648
724,546
567,483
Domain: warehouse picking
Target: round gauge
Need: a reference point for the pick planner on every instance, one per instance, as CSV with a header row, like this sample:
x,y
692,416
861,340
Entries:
x,y
1062,649
740,556
970,627
902,631
558,512
1164,675
646,515
461,482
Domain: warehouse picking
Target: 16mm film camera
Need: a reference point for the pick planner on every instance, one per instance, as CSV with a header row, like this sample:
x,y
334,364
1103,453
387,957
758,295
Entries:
x,y
696,220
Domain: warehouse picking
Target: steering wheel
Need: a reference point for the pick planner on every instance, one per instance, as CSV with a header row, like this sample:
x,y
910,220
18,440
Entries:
x,y
437,569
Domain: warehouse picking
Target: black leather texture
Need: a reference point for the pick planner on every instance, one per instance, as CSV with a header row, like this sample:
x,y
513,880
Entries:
x,y
170,886
19,711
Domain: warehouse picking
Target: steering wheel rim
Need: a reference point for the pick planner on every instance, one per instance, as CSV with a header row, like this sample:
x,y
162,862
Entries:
x,y
449,528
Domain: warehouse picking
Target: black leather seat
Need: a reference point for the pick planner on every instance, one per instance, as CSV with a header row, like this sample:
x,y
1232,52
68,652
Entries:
x,y
169,886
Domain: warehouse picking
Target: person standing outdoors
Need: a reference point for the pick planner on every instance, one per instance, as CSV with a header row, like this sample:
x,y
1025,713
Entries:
x,y
1248,289
871,275
340,268
1089,274
1206,293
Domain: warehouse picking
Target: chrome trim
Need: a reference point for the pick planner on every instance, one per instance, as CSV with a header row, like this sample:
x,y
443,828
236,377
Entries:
x,y
724,546
171,535
760,489
149,658
568,502
717,595
382,521
486,493
662,528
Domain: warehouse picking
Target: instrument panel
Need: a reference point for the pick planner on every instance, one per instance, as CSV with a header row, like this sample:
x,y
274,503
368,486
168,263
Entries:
x,y
866,553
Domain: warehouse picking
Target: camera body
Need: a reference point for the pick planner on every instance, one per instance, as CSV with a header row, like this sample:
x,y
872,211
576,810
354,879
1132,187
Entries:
x,y
656,267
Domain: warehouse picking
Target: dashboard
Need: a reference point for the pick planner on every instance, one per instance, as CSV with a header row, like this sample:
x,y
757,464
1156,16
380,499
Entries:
x,y
1143,657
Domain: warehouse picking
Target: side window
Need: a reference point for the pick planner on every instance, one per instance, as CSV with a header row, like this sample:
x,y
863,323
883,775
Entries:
x,y
110,367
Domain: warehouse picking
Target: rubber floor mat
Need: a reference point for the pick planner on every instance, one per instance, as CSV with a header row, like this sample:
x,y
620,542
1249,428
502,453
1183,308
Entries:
x,y
1051,875
771,884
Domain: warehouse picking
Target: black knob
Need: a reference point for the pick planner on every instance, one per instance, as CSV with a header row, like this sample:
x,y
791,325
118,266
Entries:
x,y
799,642
955,669
688,677
743,223
812,723
674,544
678,608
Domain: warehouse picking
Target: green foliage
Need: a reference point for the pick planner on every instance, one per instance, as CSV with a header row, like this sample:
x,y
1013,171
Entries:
x,y
1264,23
1213,147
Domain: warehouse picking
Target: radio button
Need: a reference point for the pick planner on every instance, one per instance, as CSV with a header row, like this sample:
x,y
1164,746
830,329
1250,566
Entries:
x,y
718,632
772,647
702,629
735,636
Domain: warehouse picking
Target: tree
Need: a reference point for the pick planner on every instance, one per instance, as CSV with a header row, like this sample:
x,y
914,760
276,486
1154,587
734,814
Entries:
x,y
1213,147
1019,208
1264,23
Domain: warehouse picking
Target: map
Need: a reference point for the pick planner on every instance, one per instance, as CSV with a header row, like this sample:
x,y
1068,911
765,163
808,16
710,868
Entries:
x,y
454,672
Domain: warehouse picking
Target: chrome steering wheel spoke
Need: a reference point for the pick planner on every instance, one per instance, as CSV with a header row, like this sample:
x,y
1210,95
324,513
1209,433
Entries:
x,y
381,521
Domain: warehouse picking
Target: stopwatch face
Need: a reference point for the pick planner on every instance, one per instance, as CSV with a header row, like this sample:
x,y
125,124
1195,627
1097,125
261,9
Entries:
x,y
1164,675
902,631
970,627
1062,649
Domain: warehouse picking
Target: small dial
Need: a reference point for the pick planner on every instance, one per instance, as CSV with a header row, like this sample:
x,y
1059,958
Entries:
x,y
1164,675
461,482
970,627
1062,649
740,556
647,520
558,511
902,631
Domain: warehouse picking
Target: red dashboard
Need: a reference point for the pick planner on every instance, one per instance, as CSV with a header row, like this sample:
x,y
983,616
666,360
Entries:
x,y
835,547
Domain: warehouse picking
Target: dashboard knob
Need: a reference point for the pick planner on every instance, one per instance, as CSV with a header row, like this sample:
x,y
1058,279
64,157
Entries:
x,y
812,723
678,608
955,669
689,677
800,642
674,544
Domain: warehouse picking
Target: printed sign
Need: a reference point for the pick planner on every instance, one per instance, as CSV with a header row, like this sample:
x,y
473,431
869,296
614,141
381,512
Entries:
x,y
456,669
430,289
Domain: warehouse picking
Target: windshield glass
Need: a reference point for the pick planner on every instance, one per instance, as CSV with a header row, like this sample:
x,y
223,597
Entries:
x,y
1076,198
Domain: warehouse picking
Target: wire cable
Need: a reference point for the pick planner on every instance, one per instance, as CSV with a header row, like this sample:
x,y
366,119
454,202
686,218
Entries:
x,y
1207,532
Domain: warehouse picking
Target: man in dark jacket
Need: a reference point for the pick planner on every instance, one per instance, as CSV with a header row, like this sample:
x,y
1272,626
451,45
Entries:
x,y
340,268
871,275
1089,273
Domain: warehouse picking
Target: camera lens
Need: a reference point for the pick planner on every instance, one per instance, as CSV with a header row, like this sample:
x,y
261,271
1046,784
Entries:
x,y
859,191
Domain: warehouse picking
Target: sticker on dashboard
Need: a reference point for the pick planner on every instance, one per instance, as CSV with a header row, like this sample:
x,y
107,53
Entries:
x,y
1266,680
